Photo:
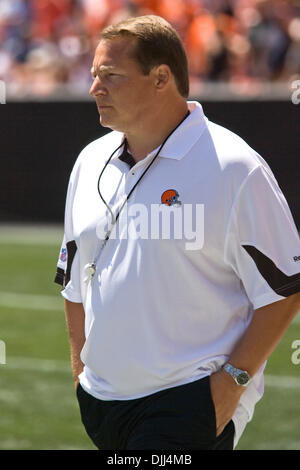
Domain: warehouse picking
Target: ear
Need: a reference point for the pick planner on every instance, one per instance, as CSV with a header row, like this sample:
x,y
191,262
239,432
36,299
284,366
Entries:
x,y
162,76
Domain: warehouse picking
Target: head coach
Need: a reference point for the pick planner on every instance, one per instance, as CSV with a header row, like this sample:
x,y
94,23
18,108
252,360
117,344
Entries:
x,y
169,336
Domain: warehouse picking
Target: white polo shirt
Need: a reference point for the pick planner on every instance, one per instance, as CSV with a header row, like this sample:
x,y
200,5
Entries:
x,y
205,239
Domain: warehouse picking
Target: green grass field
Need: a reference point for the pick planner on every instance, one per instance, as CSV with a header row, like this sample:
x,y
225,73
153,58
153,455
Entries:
x,y
38,406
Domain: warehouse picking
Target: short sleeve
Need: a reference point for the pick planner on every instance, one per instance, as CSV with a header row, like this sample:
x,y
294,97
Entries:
x,y
68,265
61,264
262,243
68,271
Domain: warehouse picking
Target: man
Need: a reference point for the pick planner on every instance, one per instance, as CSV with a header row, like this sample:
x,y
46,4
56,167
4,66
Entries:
x,y
170,325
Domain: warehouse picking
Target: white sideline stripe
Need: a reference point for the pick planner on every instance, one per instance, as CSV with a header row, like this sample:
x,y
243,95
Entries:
x,y
31,301
37,365
21,234
282,381
49,365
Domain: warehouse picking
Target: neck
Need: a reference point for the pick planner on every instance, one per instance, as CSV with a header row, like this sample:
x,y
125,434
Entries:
x,y
151,134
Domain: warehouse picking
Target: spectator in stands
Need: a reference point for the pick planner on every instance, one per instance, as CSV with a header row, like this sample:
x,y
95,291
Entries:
x,y
47,44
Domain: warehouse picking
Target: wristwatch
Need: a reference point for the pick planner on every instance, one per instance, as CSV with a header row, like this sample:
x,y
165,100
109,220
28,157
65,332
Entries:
x,y
241,377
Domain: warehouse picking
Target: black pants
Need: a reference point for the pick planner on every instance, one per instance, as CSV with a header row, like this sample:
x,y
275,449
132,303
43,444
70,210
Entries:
x,y
181,418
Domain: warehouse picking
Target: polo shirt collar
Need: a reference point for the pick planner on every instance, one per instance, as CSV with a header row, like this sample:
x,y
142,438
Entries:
x,y
184,137
187,134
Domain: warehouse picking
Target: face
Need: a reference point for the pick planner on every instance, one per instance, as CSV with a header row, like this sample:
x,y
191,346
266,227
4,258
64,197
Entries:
x,y
123,94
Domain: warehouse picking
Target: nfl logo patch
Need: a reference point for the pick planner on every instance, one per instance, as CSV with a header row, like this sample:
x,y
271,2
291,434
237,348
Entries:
x,y
63,255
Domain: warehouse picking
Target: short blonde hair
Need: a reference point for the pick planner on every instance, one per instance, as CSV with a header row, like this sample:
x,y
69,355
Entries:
x,y
157,43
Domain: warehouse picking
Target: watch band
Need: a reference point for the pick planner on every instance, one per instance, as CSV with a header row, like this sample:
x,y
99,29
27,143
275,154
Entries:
x,y
241,377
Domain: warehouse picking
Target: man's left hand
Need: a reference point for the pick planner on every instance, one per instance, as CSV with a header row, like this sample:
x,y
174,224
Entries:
x,y
226,395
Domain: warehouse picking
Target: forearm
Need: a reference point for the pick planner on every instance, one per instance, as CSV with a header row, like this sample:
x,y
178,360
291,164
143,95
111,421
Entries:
x,y
266,329
75,316
259,341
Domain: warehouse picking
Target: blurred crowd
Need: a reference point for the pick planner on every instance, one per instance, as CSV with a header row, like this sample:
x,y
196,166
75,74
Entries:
x,y
48,44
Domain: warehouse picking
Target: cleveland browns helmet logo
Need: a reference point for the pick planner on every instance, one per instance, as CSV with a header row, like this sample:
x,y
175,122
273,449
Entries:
x,y
170,198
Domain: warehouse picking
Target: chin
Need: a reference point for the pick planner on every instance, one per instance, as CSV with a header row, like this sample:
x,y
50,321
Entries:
x,y
111,125
105,122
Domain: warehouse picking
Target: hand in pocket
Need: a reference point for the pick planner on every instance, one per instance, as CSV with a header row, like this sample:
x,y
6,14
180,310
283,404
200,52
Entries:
x,y
225,395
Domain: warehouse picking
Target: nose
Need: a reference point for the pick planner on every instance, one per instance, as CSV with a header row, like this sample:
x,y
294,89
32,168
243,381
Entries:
x,y
97,88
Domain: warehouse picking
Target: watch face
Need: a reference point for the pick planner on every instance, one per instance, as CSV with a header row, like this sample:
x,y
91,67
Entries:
x,y
242,378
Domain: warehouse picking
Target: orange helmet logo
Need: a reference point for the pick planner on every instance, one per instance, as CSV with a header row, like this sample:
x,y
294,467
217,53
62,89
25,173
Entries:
x,y
170,198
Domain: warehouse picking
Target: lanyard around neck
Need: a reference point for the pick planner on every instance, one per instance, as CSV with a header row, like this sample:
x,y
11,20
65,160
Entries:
x,y
92,266
115,218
